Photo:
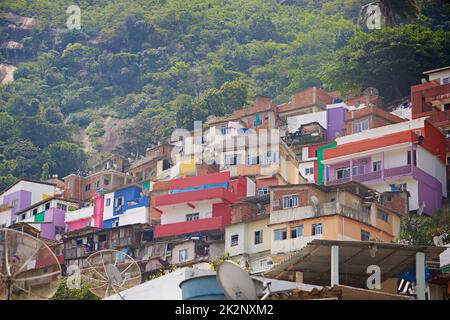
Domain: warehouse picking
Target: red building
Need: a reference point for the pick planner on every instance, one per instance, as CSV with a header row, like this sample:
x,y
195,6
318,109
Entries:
x,y
432,99
197,204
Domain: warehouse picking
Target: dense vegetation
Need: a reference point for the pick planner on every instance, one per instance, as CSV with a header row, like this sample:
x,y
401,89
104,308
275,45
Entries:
x,y
163,63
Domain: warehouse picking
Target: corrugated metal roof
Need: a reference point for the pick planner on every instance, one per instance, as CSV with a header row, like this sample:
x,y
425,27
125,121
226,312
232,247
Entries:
x,y
314,261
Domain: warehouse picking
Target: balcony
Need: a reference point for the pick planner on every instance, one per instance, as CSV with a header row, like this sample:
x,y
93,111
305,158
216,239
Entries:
x,y
331,208
189,198
323,209
375,175
187,227
305,139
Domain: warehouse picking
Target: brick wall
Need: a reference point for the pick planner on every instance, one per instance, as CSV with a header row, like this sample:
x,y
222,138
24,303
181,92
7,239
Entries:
x,y
303,197
398,202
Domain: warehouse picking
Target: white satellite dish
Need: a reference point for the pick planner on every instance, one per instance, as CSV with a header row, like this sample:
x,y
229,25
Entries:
x,y
29,270
110,272
58,237
439,240
235,282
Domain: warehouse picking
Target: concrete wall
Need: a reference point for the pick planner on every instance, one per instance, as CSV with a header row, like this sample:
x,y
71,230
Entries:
x,y
433,166
177,213
136,215
108,211
189,245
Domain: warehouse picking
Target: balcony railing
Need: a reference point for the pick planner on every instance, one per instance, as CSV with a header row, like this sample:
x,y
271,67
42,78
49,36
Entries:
x,y
375,175
331,208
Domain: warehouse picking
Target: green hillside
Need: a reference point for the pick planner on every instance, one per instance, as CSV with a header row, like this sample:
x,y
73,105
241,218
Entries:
x,y
152,65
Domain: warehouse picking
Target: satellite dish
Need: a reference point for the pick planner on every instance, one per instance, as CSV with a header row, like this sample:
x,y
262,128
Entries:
x,y
438,241
110,272
235,282
58,237
29,270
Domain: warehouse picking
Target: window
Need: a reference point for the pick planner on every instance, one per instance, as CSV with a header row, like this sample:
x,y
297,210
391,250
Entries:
x,y
388,198
446,80
365,235
102,238
376,166
47,206
402,187
119,201
358,170
272,157
183,255
234,240
87,187
309,171
382,215
414,157
280,234
79,242
59,230
14,203
258,237
61,206
106,182
296,232
233,159
316,229
115,223
225,131
290,202
108,202
342,173
35,211
263,191
192,216
361,126
97,184
251,159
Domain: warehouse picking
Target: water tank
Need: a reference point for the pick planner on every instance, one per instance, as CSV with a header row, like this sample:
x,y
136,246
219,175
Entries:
x,y
202,287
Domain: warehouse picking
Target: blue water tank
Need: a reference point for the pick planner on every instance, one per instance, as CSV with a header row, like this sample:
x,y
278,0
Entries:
x,y
204,287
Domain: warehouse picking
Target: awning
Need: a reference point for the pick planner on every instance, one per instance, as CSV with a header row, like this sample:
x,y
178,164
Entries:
x,y
314,261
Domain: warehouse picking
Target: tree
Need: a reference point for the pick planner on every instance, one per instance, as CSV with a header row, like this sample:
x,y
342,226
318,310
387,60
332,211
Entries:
x,y
389,59
421,229
64,293
65,157
149,127
393,10
45,172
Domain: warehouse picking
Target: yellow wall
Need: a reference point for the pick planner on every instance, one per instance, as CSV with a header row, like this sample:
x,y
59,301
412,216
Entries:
x,y
334,226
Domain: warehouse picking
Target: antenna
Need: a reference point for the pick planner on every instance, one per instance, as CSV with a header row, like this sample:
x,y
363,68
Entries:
x,y
110,272
235,282
29,270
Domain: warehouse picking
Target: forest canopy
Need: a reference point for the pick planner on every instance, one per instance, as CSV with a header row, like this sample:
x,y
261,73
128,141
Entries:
x,y
158,64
